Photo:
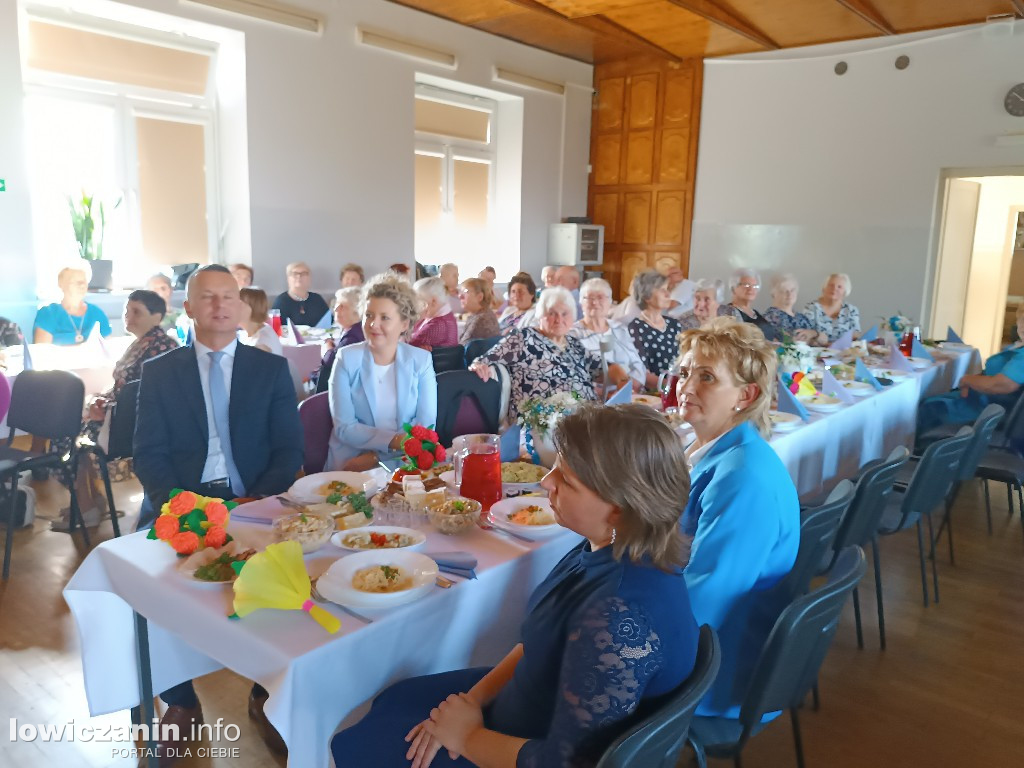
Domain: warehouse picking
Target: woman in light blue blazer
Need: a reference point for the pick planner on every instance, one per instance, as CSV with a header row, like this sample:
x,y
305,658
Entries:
x,y
743,512
382,383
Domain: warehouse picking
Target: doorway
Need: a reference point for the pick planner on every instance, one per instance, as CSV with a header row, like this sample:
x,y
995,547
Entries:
x,y
979,276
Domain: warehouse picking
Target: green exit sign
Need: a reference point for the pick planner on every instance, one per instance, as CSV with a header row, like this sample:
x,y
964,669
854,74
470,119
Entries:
x,y
3,185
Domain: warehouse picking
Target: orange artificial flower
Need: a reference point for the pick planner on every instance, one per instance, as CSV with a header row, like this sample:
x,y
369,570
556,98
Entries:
x,y
166,526
185,542
183,503
216,513
216,537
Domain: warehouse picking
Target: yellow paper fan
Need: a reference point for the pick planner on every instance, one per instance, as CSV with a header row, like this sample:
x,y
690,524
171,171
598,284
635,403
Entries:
x,y
277,578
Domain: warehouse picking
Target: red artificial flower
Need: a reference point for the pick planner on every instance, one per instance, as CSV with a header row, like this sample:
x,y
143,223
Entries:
x,y
185,542
412,447
432,436
424,460
183,503
439,453
216,536
420,432
166,526
216,513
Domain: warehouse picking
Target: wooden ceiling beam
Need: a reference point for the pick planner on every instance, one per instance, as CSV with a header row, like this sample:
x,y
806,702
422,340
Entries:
x,y
1019,6
727,19
869,13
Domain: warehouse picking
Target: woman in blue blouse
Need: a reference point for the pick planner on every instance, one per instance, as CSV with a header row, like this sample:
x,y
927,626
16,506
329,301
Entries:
x,y
743,511
607,633
380,384
71,320
1000,383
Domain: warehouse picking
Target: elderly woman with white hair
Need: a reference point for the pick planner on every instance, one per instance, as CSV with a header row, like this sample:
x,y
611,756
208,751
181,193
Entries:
x,y
745,284
595,329
707,298
654,335
829,314
437,327
70,320
781,314
543,359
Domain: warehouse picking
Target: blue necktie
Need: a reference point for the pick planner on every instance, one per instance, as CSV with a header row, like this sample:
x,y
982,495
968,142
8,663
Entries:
x,y
219,401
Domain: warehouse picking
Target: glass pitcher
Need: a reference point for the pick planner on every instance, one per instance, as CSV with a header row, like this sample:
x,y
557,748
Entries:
x,y
477,460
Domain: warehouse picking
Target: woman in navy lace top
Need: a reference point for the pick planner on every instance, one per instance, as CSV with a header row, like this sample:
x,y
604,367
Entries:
x,y
608,634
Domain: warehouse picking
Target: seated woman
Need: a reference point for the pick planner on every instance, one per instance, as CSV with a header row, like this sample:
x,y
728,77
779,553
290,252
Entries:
x,y
143,314
438,327
654,335
346,317
477,297
543,360
606,634
379,384
521,295
72,319
743,512
999,383
161,285
707,298
255,331
745,284
10,333
830,315
781,314
595,328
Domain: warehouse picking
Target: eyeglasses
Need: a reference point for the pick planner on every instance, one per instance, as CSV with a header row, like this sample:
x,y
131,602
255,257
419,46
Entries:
x,y
297,273
749,285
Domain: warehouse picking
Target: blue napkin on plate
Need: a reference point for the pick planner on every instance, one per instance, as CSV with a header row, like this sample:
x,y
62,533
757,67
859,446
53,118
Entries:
x,y
861,373
789,404
870,334
952,336
296,336
325,321
920,350
843,342
508,443
898,361
831,386
624,395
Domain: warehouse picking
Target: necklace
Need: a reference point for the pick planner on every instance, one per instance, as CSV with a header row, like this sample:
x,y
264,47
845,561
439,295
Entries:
x,y
77,327
301,303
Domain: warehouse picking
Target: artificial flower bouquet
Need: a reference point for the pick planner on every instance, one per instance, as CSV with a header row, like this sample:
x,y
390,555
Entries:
x,y
422,448
190,522
898,323
795,357
541,414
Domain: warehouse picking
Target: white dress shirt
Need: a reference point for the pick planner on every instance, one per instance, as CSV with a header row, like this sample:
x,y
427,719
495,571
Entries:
x,y
694,455
385,415
216,466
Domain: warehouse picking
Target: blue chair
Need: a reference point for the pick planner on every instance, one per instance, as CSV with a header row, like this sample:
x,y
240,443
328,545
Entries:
x,y
449,358
466,405
478,347
819,527
788,664
656,741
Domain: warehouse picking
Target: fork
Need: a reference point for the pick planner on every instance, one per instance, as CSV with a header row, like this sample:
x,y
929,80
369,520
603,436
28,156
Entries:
x,y
488,527
315,594
286,502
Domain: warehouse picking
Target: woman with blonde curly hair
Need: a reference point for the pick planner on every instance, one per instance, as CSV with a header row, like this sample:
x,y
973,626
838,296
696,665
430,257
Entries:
x,y
743,512
381,383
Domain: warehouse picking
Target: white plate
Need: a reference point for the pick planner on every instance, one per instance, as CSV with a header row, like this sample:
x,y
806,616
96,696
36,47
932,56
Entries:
x,y
500,511
336,584
822,403
955,346
419,538
784,422
858,388
649,400
919,363
889,373
307,489
508,489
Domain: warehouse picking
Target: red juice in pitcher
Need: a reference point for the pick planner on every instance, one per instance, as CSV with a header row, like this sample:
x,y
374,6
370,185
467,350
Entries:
x,y
481,475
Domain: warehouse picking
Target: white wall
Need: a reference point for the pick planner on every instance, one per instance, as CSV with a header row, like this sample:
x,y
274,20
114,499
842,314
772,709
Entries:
x,y
330,135
805,171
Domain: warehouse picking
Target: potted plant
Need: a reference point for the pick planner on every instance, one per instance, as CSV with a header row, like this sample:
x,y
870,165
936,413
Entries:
x,y
90,233
540,415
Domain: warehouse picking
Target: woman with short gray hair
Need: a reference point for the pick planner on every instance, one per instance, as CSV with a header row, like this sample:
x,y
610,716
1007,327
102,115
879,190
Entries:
x,y
707,297
781,314
745,284
830,314
654,335
438,327
594,329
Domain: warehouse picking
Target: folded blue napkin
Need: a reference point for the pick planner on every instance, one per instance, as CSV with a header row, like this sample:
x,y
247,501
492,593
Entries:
x,y
789,404
920,350
624,395
831,386
463,572
325,321
843,342
26,356
897,360
464,561
870,334
296,336
508,443
951,335
861,373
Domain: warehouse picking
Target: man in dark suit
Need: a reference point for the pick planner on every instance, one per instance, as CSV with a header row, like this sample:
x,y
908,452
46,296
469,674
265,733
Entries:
x,y
218,418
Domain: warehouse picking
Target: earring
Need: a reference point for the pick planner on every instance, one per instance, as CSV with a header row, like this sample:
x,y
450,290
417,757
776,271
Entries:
x,y
613,536
737,409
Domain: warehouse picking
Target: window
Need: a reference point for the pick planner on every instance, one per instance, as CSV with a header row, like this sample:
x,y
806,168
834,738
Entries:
x,y
126,117
455,178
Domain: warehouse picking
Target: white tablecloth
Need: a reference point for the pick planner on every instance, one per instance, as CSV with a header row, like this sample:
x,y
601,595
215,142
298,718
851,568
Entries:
x,y
315,679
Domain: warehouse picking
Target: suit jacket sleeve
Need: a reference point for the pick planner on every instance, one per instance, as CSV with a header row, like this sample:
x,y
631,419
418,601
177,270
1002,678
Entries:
x,y
285,435
426,391
152,459
346,426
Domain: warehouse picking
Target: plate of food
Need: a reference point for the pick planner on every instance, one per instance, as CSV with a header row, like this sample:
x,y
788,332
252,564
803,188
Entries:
x,y
889,373
784,422
857,388
919,363
654,401
516,477
379,537
310,529
212,567
318,487
822,403
529,516
352,511
379,579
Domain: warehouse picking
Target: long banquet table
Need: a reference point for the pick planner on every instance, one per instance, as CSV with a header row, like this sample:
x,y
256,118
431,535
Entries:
x,y
316,680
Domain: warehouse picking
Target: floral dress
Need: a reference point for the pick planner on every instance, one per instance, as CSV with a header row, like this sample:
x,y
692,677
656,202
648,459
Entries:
x,y
847,320
540,368
787,323
658,349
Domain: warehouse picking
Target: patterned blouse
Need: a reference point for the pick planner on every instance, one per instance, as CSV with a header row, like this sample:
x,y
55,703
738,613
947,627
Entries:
x,y
658,349
770,332
786,322
129,368
848,320
480,325
540,368
689,321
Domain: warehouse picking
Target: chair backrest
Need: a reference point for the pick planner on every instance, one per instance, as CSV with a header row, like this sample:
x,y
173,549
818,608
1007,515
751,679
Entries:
x,y
798,643
122,422
466,405
656,741
47,404
449,358
984,427
5,396
478,347
1013,426
860,523
818,530
936,472
315,416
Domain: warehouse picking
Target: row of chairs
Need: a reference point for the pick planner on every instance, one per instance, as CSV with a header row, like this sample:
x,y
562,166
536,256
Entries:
x,y
459,357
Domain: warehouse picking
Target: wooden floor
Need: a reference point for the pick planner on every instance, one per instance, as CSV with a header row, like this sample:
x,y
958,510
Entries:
x,y
947,692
